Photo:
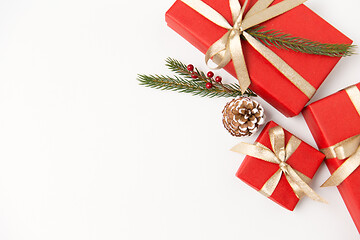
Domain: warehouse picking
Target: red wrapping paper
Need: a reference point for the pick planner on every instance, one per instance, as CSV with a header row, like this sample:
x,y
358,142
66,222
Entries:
x,y
267,81
332,120
255,172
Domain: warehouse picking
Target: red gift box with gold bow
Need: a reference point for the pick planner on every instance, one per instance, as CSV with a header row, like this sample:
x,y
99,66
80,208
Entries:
x,y
335,124
280,166
267,81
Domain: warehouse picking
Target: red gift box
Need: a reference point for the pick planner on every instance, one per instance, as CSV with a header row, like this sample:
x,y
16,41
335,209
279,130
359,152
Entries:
x,y
267,81
332,120
256,172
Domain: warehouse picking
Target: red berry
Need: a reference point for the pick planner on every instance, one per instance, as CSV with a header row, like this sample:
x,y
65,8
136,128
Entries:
x,y
190,67
208,85
218,79
210,74
194,76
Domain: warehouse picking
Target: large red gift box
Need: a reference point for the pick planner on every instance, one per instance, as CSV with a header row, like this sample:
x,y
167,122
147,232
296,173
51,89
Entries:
x,y
332,120
267,81
256,172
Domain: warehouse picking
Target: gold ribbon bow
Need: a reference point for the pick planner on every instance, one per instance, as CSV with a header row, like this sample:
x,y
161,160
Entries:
x,y
348,149
280,155
228,47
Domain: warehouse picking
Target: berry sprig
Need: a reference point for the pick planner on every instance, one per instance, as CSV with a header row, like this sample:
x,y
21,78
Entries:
x,y
191,80
209,80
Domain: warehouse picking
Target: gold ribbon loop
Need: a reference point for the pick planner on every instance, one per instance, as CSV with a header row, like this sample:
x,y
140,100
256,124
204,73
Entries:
x,y
343,149
292,145
258,151
228,47
348,149
279,155
344,171
237,11
277,139
221,51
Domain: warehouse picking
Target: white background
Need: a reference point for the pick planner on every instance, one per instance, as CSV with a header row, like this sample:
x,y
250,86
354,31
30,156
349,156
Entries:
x,y
86,153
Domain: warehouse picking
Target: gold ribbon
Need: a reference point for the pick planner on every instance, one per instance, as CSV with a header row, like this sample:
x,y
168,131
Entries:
x,y
228,47
280,155
348,149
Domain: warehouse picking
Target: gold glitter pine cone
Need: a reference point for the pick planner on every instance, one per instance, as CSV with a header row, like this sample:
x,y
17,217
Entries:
x,y
243,116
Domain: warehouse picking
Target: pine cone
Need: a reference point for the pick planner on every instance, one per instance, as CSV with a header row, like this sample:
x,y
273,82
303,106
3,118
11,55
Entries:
x,y
243,116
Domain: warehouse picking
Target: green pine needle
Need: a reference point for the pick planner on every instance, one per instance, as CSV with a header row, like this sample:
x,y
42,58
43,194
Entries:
x,y
184,83
286,41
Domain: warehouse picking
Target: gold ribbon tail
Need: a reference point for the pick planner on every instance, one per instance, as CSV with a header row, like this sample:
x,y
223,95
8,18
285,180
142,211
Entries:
x,y
269,187
300,186
239,61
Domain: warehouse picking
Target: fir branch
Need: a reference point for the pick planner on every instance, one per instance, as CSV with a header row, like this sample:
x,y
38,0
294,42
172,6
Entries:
x,y
186,84
286,41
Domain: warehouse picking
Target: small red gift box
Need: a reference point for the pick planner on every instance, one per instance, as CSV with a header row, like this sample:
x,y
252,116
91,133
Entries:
x,y
256,172
267,81
333,120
